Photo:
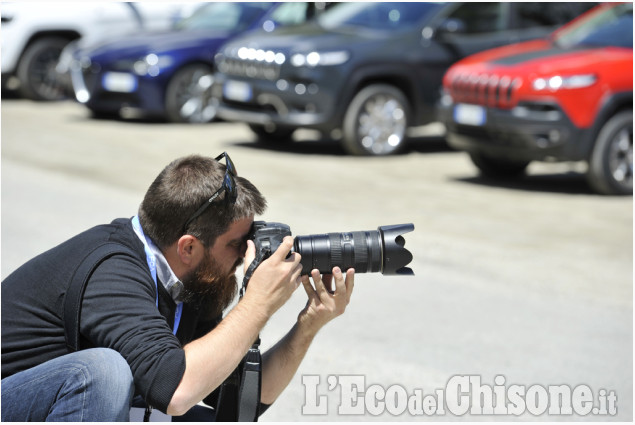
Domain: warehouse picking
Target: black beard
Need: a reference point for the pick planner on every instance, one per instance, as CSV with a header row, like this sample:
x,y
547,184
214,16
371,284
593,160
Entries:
x,y
208,289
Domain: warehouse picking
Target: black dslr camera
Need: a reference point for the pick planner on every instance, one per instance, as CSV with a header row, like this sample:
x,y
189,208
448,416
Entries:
x,y
380,250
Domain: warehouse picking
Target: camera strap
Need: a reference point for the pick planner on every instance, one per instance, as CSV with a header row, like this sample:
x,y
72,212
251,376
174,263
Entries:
x,y
250,385
263,251
248,403
239,396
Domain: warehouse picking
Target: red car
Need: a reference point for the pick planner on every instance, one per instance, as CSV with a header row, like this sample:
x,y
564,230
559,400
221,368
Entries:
x,y
566,98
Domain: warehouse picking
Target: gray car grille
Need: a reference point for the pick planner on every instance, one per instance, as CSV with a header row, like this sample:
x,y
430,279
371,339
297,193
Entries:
x,y
251,69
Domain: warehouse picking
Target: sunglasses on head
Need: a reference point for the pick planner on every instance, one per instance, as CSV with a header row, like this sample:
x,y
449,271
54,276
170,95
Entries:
x,y
228,186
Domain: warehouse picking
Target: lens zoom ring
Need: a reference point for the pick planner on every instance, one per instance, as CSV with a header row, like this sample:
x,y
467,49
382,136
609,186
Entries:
x,y
361,252
336,250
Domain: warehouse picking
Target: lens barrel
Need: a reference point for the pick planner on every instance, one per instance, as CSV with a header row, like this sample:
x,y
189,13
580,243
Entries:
x,y
380,250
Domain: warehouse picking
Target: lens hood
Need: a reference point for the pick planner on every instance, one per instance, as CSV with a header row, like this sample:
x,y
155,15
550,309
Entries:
x,y
395,256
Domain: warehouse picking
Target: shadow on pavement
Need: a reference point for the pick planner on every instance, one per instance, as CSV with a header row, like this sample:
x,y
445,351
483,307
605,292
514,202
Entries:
x,y
330,147
571,183
8,94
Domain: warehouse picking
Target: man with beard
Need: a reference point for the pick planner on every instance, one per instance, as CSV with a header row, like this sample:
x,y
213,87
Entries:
x,y
150,318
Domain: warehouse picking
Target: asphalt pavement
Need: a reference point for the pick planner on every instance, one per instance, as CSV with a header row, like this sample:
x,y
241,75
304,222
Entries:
x,y
526,283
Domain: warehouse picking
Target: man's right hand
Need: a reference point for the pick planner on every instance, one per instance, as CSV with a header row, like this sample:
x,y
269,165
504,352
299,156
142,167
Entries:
x,y
210,359
275,279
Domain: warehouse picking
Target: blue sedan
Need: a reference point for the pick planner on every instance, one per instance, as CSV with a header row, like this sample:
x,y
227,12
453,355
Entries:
x,y
168,74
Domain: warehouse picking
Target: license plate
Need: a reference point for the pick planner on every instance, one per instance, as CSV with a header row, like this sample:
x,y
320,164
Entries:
x,y
237,90
119,82
469,114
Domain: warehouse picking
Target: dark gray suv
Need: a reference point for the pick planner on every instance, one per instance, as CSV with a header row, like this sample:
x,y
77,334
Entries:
x,y
366,72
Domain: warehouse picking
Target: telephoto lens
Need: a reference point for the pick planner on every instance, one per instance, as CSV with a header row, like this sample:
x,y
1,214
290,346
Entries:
x,y
380,250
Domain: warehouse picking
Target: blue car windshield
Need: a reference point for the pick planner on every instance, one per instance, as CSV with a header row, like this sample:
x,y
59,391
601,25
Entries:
x,y
610,27
380,15
224,16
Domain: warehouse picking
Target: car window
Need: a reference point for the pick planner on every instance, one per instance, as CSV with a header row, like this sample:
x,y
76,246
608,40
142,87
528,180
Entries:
x,y
223,16
291,13
610,27
482,17
619,33
549,14
380,15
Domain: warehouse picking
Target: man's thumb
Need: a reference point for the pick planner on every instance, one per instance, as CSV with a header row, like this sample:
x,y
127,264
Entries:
x,y
250,254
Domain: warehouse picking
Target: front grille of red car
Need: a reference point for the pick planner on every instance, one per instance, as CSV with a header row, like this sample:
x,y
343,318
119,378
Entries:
x,y
487,90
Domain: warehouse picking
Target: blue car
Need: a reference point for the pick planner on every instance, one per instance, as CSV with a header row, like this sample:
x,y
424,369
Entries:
x,y
170,74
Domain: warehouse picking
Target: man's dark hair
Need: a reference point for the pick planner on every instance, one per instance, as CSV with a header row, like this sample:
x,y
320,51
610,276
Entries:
x,y
181,188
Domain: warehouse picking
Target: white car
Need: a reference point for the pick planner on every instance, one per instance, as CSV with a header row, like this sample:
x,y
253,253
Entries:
x,y
35,34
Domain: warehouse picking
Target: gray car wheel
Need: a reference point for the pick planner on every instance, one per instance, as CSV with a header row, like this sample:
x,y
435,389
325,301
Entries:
x,y
188,98
611,163
36,71
376,121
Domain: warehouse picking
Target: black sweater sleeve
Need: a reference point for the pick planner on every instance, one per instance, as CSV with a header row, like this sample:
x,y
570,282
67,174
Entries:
x,y
119,311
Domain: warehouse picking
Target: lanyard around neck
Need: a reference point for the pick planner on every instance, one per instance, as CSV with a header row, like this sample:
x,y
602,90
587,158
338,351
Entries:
x,y
152,264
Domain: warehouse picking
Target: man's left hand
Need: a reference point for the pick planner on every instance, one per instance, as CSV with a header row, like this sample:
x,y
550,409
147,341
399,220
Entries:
x,y
324,303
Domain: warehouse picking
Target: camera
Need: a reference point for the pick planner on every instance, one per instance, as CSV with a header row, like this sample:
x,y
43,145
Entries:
x,y
380,250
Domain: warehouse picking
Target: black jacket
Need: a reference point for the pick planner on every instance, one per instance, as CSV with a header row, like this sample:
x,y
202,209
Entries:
x,y
118,311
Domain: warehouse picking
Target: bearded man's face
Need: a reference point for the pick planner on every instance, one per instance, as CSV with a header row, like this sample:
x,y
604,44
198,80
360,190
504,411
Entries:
x,y
209,287
212,285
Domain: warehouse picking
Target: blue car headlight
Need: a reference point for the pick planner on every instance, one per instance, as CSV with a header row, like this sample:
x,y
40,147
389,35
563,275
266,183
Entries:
x,y
151,65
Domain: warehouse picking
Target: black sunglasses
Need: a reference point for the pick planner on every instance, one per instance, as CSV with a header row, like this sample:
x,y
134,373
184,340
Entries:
x,y
229,187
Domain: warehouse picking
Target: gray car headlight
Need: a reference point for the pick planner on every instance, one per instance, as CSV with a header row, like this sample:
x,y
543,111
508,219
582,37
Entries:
x,y
313,59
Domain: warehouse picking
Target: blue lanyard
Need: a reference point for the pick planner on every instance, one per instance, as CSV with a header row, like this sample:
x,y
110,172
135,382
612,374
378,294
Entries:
x,y
152,264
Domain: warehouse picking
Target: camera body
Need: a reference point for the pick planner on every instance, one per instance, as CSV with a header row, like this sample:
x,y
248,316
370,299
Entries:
x,y
380,250
267,237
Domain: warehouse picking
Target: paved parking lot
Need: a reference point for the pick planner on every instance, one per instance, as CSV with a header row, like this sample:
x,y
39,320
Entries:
x,y
531,281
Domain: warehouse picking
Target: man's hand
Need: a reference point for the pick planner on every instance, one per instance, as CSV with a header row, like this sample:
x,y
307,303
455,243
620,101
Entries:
x,y
325,304
281,362
275,279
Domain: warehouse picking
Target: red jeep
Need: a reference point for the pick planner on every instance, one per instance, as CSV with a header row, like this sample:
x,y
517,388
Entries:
x,y
565,98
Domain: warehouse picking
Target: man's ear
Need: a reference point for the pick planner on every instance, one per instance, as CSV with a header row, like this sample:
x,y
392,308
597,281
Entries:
x,y
189,249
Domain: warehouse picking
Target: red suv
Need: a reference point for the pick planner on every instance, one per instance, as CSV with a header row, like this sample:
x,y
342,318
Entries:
x,y
565,98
